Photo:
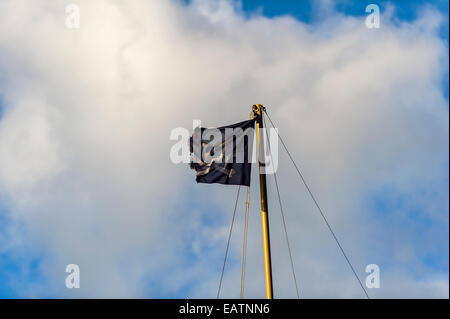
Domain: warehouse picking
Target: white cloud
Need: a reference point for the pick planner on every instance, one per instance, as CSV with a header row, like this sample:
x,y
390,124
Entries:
x,y
84,143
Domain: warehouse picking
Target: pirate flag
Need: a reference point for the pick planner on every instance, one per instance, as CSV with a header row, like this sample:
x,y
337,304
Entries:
x,y
223,155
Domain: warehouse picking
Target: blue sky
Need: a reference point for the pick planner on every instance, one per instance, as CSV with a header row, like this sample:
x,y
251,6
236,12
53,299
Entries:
x,y
381,202
308,11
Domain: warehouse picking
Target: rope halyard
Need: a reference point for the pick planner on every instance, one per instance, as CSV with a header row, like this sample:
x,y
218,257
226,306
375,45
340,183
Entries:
x,y
244,245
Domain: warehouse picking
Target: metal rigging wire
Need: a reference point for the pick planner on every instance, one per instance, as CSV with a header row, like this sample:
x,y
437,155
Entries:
x,y
228,242
318,207
282,217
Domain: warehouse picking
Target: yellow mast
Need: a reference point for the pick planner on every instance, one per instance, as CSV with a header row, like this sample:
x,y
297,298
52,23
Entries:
x,y
257,112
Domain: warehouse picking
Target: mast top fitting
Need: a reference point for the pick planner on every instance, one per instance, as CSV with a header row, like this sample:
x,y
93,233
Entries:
x,y
257,110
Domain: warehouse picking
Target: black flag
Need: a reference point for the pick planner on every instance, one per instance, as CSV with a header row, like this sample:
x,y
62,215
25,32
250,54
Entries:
x,y
224,154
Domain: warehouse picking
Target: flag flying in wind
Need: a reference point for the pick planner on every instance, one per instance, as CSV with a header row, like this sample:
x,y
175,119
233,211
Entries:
x,y
223,155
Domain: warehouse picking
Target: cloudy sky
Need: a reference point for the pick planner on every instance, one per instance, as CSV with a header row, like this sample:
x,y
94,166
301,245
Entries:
x,y
85,120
